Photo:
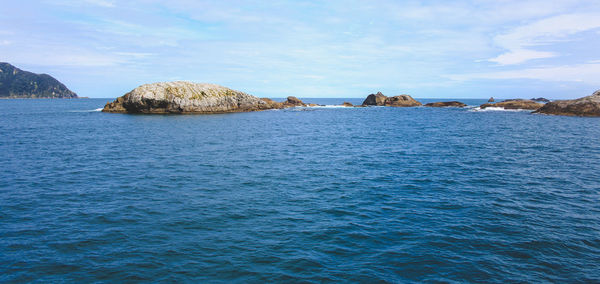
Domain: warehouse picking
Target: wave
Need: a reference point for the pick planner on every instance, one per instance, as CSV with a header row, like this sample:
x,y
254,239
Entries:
x,y
499,109
330,106
88,110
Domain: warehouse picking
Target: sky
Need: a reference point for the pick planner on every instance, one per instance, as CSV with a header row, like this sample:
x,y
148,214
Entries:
x,y
312,49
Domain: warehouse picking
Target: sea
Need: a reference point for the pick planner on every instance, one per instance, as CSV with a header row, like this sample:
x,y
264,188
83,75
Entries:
x,y
310,195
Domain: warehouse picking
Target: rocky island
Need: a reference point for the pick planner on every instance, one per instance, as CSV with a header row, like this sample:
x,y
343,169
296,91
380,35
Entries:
x,y
187,97
16,83
380,99
446,104
514,104
586,106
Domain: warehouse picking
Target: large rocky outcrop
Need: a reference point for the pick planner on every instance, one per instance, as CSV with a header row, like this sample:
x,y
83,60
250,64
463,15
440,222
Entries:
x,y
446,104
396,101
515,104
185,97
586,106
16,83
375,100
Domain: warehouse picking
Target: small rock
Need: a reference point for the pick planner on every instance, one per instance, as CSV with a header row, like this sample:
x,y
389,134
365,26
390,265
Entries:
x,y
293,102
514,104
446,104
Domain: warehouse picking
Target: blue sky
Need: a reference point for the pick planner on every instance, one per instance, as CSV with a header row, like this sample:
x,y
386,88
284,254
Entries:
x,y
428,49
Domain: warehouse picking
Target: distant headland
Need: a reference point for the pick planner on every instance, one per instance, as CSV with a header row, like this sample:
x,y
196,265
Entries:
x,y
16,83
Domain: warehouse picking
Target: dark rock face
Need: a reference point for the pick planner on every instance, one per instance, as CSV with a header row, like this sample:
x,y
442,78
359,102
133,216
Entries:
x,y
396,101
16,83
347,104
293,102
375,100
544,100
515,104
491,100
446,104
586,106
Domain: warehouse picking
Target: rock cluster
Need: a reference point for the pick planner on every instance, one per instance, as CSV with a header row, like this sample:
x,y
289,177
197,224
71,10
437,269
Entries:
x,y
586,106
187,97
446,104
491,100
396,101
515,104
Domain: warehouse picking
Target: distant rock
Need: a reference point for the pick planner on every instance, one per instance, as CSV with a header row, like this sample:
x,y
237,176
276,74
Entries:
x,y
401,101
185,97
293,102
586,106
375,100
16,83
446,104
540,100
347,104
515,104
272,104
396,101
491,100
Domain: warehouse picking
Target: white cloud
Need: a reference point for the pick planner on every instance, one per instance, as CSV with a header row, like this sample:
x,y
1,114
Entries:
x,y
521,41
102,3
521,55
585,73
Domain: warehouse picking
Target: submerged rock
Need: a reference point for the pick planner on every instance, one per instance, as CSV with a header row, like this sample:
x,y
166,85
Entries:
x,y
446,104
396,101
185,97
586,106
515,104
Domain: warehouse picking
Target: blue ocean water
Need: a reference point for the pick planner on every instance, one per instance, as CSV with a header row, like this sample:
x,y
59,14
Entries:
x,y
297,195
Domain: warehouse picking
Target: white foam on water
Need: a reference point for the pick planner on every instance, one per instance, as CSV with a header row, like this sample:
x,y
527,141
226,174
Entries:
x,y
88,110
330,106
499,109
